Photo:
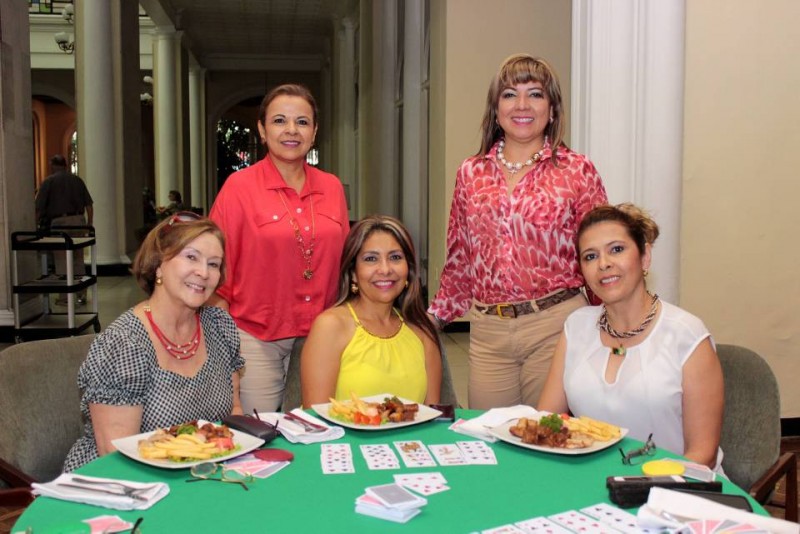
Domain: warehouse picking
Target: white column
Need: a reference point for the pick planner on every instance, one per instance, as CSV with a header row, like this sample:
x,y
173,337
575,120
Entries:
x,y
166,46
346,103
384,67
94,85
627,112
197,81
415,126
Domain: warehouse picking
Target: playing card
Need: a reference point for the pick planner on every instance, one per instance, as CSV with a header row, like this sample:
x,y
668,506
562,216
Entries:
x,y
448,454
578,522
336,458
540,525
423,483
505,529
380,456
414,454
477,452
617,518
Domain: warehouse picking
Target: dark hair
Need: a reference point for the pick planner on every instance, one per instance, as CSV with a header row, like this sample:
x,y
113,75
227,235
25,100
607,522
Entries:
x,y
288,89
639,225
177,195
166,240
523,68
410,302
58,161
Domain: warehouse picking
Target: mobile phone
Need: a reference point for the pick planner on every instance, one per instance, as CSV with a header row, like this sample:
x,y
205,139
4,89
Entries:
x,y
739,502
448,412
395,496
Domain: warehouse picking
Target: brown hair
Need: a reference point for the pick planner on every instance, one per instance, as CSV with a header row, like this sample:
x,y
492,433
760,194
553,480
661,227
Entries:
x,y
523,68
639,225
288,89
166,240
410,301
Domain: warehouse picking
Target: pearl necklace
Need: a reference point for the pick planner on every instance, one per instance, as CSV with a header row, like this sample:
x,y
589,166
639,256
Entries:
x,y
514,168
179,352
605,326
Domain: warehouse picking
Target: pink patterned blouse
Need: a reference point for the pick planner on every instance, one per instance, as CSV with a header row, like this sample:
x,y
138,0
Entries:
x,y
503,248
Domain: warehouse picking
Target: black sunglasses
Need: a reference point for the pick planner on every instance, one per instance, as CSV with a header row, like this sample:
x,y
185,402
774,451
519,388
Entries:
x,y
635,456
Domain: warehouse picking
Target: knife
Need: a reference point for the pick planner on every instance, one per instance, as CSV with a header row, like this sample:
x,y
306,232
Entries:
x,y
308,425
101,490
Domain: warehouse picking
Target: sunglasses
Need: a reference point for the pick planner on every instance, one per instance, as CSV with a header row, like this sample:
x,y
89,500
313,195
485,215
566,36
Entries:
x,y
184,216
636,456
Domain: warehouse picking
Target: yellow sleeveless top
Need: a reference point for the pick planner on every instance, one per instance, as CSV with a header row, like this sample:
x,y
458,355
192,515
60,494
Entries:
x,y
372,365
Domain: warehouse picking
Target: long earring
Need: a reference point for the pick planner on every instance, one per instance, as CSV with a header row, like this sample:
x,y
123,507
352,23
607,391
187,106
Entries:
x,y
354,288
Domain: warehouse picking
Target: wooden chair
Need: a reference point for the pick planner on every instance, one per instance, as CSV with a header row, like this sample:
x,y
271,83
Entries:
x,y
292,396
39,412
751,429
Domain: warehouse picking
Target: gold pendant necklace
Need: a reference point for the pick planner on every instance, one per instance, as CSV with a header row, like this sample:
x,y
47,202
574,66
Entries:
x,y
305,252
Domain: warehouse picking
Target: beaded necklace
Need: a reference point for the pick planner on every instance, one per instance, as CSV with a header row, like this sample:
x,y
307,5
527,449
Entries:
x,y
178,351
605,326
514,168
305,252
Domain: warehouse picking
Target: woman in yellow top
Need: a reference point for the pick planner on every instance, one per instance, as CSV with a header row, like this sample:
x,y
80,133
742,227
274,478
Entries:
x,y
377,338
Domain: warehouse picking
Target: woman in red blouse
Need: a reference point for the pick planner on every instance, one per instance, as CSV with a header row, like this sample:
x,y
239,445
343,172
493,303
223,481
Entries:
x,y
285,223
511,257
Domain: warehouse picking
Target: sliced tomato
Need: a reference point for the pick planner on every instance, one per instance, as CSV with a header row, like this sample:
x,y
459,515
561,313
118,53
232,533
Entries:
x,y
375,420
223,444
565,416
359,418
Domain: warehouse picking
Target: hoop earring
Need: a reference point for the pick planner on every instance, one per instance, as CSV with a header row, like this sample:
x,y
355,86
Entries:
x,y
354,288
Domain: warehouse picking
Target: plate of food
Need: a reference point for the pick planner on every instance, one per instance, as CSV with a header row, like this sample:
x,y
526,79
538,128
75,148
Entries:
x,y
377,412
186,445
560,434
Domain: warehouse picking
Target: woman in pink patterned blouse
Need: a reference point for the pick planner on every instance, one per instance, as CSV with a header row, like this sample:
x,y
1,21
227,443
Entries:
x,y
511,256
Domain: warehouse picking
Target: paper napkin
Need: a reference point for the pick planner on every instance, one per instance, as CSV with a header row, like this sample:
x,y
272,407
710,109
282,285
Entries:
x,y
479,426
104,492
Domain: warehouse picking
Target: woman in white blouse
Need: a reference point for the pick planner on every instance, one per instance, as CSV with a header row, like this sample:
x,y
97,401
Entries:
x,y
636,361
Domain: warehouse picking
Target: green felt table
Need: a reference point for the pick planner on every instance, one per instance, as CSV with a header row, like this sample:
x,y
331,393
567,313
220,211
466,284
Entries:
x,y
524,484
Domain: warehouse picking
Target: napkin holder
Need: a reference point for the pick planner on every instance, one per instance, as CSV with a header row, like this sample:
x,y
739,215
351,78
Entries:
x,y
252,426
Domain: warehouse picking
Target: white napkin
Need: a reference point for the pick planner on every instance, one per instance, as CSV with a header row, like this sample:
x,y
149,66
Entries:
x,y
679,504
153,492
295,433
479,426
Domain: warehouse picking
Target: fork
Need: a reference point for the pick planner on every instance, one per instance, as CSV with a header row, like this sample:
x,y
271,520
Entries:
x,y
129,491
126,492
308,426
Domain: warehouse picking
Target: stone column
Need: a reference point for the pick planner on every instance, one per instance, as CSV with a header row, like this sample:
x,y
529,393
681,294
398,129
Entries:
x,y
166,47
95,107
627,112
346,103
197,131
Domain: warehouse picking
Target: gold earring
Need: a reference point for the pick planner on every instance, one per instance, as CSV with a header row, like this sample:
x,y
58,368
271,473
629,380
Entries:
x,y
645,272
354,288
159,281
406,283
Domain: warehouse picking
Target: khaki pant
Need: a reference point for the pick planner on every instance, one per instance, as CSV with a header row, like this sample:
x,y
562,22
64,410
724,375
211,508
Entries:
x,y
509,358
263,379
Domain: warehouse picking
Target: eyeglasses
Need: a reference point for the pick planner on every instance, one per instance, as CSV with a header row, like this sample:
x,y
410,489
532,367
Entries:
x,y
184,216
636,456
207,470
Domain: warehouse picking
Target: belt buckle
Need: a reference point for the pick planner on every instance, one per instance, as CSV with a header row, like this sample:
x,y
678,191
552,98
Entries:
x,y
500,310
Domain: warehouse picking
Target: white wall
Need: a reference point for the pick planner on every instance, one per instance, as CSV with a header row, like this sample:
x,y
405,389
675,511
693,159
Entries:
x,y
739,254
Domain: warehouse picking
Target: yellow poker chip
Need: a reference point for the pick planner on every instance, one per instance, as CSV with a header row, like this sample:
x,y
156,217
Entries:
x,y
662,468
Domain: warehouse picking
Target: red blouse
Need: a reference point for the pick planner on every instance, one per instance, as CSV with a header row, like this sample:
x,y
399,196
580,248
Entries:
x,y
268,296
512,248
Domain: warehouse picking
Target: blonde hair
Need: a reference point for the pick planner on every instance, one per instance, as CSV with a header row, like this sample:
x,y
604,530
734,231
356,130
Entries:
x,y
523,68
638,223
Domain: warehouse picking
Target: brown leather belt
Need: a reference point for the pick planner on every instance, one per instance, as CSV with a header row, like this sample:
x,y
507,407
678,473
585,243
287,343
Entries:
x,y
514,310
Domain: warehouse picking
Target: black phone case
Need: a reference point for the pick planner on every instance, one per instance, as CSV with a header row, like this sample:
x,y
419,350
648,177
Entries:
x,y
252,426
633,491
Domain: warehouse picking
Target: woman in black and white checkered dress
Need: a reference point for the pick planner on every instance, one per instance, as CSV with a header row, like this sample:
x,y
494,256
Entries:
x,y
168,359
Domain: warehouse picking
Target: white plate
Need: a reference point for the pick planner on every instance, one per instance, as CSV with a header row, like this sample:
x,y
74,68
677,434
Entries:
x,y
501,432
130,447
425,413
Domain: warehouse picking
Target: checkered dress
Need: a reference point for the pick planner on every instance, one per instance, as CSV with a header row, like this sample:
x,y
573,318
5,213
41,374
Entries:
x,y
121,369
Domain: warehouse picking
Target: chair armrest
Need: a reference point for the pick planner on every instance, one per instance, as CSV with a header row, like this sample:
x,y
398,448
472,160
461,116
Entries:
x,y
13,476
786,466
16,497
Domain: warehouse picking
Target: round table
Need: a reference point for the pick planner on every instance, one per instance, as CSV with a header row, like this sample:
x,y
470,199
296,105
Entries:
x,y
524,484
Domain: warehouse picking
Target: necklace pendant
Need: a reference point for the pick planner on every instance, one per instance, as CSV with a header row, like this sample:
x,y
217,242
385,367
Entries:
x,y
619,351
308,274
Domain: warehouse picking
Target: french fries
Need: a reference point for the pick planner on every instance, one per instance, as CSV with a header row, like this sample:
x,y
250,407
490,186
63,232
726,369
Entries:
x,y
593,428
182,447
